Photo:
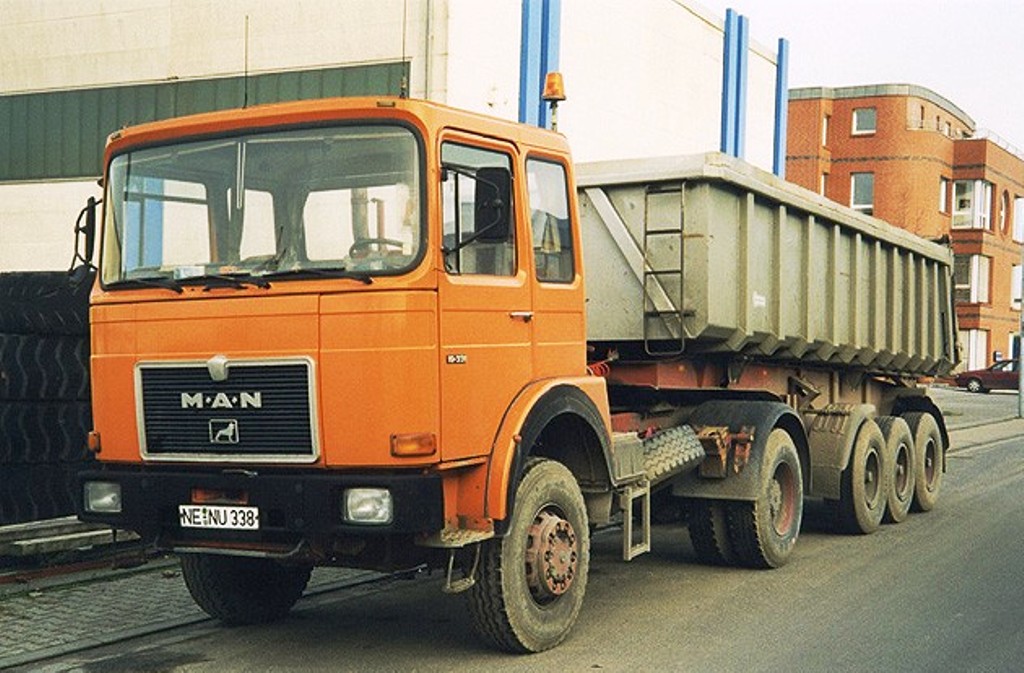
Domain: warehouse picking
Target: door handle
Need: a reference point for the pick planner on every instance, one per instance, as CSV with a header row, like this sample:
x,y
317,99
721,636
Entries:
x,y
525,316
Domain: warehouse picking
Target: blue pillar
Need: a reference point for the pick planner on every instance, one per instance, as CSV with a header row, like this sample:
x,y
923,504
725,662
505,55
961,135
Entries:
x,y
530,61
781,108
551,38
730,74
538,55
743,38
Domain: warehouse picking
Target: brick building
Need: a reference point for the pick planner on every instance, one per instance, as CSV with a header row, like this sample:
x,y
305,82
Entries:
x,y
908,156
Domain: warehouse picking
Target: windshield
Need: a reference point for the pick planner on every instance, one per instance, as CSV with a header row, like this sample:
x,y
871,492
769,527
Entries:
x,y
311,200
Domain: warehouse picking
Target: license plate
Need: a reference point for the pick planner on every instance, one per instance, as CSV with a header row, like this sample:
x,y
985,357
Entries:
x,y
219,516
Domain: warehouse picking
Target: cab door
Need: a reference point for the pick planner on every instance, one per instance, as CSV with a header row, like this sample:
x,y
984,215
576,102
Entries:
x,y
486,311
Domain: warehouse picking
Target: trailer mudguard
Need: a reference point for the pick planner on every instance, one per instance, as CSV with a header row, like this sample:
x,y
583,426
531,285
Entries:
x,y
833,430
917,400
763,417
530,413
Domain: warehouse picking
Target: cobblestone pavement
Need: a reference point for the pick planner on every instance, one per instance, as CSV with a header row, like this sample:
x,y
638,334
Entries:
x,y
89,609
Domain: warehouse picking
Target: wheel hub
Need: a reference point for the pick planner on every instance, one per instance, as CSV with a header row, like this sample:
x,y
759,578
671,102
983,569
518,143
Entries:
x,y
552,555
782,500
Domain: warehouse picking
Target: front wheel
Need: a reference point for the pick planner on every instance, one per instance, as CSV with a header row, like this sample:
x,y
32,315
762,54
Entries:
x,y
974,386
531,582
242,590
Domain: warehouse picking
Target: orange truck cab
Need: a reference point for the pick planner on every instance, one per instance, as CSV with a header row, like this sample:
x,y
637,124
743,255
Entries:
x,y
327,332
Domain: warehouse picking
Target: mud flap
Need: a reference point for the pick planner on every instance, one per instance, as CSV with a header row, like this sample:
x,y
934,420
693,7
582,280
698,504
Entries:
x,y
751,421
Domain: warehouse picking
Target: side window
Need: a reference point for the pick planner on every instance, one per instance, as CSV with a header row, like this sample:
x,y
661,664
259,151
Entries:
x,y
549,221
475,240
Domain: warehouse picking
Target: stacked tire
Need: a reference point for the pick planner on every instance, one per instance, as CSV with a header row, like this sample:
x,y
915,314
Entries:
x,y
44,393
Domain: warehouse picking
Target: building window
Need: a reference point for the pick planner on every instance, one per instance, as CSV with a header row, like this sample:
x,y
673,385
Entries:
x,y
1004,212
947,129
971,276
824,184
920,118
1018,219
824,130
943,195
972,207
1015,281
975,343
862,192
864,120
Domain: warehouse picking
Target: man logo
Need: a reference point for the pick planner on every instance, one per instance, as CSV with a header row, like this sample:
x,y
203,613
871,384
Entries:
x,y
223,431
241,400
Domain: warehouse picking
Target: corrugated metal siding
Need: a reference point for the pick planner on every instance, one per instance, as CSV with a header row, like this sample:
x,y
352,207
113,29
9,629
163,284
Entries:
x,y
60,134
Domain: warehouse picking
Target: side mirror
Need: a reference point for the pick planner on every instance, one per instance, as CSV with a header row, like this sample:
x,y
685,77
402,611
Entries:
x,y
493,204
87,229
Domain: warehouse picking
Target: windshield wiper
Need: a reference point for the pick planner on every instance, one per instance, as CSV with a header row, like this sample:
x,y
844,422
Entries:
x,y
156,281
236,282
341,272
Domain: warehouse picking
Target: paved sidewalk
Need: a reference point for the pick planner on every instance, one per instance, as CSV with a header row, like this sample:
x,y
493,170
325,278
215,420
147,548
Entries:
x,y
61,615
967,436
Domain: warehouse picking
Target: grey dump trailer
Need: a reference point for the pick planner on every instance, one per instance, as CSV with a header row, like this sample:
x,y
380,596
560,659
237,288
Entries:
x,y
769,344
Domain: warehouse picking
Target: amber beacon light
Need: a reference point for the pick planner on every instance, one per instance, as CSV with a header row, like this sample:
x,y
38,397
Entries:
x,y
554,93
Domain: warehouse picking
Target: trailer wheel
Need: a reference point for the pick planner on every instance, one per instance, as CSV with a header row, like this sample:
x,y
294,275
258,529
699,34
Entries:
x,y
928,456
863,489
899,448
709,532
242,590
763,533
531,582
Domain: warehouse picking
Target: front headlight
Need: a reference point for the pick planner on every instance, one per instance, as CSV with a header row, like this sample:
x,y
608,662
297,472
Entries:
x,y
367,505
102,497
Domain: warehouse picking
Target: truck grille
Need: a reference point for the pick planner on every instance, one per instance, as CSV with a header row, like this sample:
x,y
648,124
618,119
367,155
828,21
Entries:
x,y
261,410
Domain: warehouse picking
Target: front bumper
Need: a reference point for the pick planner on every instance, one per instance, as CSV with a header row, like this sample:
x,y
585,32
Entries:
x,y
293,506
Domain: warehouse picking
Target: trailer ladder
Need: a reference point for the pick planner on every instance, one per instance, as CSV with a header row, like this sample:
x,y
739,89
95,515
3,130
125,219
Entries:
x,y
663,269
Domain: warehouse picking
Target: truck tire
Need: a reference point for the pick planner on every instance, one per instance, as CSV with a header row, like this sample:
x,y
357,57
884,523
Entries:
x,y
928,457
671,451
709,532
241,590
763,533
863,487
44,432
44,302
899,448
531,582
50,368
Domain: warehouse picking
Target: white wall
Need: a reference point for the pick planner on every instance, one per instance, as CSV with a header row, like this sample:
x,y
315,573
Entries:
x,y
644,78
37,223
760,138
483,56
78,43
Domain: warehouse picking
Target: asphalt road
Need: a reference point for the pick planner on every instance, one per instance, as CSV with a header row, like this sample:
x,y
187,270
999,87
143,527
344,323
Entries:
x,y
940,592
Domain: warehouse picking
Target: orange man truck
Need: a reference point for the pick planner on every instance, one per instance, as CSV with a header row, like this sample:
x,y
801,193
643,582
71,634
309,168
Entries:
x,y
354,332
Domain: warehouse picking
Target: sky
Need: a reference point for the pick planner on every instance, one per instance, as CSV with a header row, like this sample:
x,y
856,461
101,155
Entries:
x,y
971,52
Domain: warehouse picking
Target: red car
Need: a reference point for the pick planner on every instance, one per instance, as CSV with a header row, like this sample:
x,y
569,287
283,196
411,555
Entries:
x,y
1000,376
